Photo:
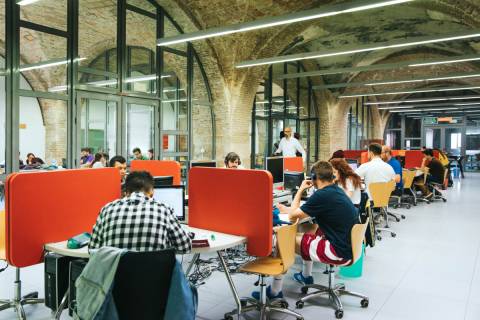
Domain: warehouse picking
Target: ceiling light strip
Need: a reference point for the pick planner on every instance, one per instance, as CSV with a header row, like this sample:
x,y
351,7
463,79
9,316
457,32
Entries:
x,y
409,91
423,100
353,6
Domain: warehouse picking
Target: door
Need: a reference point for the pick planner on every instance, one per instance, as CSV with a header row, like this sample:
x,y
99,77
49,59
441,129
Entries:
x,y
447,138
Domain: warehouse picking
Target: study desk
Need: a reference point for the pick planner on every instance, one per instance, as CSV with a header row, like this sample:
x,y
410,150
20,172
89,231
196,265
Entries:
x,y
220,241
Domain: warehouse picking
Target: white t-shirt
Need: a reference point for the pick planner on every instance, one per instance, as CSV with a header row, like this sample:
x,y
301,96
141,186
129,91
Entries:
x,y
375,170
356,193
289,148
98,164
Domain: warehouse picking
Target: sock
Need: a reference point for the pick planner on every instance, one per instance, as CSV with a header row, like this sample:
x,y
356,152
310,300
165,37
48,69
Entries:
x,y
277,285
307,268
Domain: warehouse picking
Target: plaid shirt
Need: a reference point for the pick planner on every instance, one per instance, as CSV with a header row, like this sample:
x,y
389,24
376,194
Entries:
x,y
139,223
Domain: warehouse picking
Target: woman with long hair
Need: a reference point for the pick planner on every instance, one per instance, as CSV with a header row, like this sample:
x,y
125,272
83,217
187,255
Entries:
x,y
347,180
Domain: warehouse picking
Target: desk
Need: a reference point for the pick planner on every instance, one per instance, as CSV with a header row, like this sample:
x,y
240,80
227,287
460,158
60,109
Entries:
x,y
222,241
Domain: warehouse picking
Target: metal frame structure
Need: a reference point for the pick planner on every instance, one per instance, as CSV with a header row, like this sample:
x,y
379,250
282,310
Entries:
x,y
364,114
76,90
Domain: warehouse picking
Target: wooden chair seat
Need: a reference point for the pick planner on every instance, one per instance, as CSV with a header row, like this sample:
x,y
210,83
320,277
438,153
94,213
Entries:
x,y
267,266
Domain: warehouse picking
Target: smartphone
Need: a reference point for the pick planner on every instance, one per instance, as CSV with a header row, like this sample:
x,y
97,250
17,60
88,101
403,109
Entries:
x,y
79,241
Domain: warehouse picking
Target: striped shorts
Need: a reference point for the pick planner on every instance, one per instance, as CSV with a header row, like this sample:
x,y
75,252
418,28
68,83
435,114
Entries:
x,y
315,247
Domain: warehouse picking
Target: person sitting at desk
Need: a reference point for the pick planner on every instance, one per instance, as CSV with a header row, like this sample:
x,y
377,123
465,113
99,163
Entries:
x,y
86,158
435,169
33,160
232,161
99,161
139,223
397,168
339,154
375,170
120,163
289,146
137,154
329,241
347,180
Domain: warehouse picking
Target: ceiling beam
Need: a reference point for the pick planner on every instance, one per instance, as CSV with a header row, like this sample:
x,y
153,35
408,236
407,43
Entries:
x,y
361,48
406,91
374,67
426,99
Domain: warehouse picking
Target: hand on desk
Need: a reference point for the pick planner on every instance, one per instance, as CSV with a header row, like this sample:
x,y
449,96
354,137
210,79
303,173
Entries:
x,y
282,208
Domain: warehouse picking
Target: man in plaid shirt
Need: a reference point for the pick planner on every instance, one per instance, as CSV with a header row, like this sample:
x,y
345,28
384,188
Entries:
x,y
139,223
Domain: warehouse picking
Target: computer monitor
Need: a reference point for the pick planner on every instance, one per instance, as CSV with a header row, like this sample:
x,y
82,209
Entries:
x,y
275,166
292,180
173,197
209,164
160,181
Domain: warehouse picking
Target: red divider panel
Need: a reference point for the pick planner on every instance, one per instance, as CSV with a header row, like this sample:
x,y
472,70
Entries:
x,y
158,168
293,164
436,154
413,158
363,157
43,207
236,202
352,154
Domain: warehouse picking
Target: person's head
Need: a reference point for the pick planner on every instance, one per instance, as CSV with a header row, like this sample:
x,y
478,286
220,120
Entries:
x,y
386,153
139,181
137,153
428,154
339,154
120,163
374,150
343,171
30,157
232,160
296,135
105,157
322,174
288,132
282,135
151,155
85,151
98,158
423,148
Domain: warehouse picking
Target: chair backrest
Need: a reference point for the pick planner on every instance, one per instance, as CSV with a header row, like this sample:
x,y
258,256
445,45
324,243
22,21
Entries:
x,y
408,176
380,192
286,244
142,283
358,234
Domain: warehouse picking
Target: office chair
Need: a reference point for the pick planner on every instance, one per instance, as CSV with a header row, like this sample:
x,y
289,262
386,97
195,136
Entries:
x,y
406,199
380,193
267,267
333,292
422,198
437,194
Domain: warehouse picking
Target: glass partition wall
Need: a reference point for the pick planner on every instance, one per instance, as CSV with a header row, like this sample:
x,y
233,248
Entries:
x,y
80,74
281,103
359,125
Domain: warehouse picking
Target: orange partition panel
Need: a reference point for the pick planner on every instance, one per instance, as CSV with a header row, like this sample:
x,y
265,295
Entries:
x,y
2,236
364,157
44,207
236,202
413,158
436,154
352,154
293,164
158,168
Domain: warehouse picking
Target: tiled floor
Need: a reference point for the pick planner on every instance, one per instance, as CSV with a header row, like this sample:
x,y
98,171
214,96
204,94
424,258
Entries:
x,y
431,270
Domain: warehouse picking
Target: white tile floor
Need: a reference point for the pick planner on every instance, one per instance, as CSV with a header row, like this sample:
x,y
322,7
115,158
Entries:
x,y
431,270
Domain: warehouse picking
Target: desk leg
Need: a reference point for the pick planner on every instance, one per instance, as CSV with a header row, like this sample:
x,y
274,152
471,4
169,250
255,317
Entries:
x,y
232,285
192,263
59,311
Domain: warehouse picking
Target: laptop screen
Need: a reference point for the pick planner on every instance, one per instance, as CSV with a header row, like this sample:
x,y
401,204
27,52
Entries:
x,y
173,197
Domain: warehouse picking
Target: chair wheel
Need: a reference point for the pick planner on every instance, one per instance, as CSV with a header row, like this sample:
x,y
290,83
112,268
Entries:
x,y
395,206
397,219
444,200
300,304
403,216
227,317
304,290
243,303
415,204
379,238
339,314
408,206
364,303
284,304
393,234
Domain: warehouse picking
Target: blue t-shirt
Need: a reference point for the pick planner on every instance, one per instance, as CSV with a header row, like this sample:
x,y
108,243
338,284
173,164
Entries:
x,y
397,167
335,215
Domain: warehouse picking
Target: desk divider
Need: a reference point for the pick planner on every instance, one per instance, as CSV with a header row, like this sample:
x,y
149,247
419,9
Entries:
x,y
293,164
158,168
353,154
3,233
413,158
43,207
363,157
237,202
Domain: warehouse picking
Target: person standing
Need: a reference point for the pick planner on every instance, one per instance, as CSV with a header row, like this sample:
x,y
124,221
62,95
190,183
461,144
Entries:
x,y
289,145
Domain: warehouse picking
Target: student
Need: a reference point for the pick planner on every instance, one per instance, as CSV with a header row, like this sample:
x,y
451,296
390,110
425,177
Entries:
x,y
30,159
99,161
335,216
347,180
232,161
120,163
436,172
289,145
137,154
276,144
397,168
86,158
139,223
151,155
339,154
375,170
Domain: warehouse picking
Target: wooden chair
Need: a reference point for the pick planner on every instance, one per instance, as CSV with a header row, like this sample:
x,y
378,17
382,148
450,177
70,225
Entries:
x,y
268,267
426,171
332,291
380,193
404,200
437,194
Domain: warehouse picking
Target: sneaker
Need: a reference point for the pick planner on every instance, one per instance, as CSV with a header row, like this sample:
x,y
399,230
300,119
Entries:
x,y
300,278
270,296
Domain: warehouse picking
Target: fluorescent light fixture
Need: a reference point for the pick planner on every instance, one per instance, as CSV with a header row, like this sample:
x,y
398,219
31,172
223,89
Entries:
x,y
390,108
422,100
46,64
424,80
368,48
468,104
443,62
412,110
269,22
409,91
26,2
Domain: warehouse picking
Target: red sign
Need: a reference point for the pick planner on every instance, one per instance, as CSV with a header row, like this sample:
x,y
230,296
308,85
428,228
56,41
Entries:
x,y
165,142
